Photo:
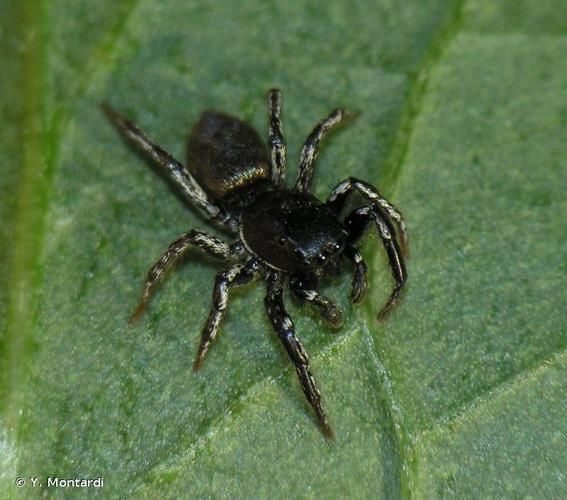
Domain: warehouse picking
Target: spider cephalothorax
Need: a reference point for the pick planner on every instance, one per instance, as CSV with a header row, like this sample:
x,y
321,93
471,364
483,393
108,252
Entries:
x,y
291,231
285,236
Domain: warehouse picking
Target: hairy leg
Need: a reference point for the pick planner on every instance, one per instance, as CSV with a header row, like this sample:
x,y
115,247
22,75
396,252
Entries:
x,y
306,291
372,213
177,171
360,278
286,332
311,148
237,274
340,193
276,139
209,244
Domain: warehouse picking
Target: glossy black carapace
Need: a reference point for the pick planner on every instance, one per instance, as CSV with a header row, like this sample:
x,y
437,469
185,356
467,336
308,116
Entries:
x,y
282,235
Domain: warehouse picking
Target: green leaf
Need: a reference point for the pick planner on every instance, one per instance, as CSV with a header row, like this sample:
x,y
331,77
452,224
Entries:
x,y
461,393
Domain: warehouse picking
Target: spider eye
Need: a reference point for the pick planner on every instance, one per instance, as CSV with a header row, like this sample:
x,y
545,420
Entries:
x,y
321,259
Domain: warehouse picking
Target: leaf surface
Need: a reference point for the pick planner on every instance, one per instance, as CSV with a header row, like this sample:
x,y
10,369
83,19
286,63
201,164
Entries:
x,y
462,125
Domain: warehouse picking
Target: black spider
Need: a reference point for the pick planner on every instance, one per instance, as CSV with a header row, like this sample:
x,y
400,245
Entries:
x,y
284,235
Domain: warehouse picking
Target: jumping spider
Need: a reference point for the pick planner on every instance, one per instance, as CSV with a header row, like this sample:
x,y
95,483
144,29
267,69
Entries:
x,y
283,235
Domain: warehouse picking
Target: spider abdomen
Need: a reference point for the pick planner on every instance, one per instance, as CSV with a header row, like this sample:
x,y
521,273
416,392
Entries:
x,y
227,156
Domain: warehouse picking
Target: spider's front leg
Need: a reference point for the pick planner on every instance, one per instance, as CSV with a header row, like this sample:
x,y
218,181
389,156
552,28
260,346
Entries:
x,y
360,278
286,332
209,244
357,222
338,197
305,289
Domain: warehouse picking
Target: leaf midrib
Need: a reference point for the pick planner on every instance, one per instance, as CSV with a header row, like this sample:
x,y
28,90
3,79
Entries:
x,y
41,137
29,221
447,31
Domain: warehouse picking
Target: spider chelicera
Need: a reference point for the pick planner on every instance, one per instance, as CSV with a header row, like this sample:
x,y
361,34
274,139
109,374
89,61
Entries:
x,y
285,236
